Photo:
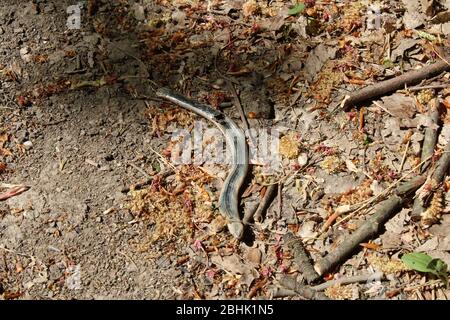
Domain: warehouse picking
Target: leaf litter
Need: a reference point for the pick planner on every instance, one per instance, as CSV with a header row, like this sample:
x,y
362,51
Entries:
x,y
317,51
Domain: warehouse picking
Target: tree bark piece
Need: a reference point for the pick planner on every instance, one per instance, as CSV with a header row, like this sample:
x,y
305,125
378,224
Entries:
x,y
371,227
382,88
301,257
429,144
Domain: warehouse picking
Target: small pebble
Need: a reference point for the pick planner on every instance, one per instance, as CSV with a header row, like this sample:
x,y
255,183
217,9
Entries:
x,y
25,54
28,145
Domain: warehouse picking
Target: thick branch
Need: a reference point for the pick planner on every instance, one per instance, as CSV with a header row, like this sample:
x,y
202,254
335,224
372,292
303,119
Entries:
x,y
430,139
442,167
429,143
382,88
370,228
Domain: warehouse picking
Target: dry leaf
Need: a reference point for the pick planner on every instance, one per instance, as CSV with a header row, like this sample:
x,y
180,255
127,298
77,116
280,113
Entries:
x,y
399,105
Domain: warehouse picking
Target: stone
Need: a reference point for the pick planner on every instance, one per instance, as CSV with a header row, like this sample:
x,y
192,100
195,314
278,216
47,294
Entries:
x,y
28,145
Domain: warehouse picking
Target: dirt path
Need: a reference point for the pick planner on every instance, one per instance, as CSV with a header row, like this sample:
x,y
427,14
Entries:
x,y
70,236
80,125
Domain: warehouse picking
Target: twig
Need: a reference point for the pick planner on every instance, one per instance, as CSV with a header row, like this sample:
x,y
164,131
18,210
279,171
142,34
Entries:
x,y
432,86
347,280
434,180
332,218
442,168
441,55
162,158
391,85
430,139
385,210
258,212
379,105
15,191
280,200
238,105
400,169
137,186
15,252
145,174
340,211
9,185
301,257
434,283
429,143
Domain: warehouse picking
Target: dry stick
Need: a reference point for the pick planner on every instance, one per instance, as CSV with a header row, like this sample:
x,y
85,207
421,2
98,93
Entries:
x,y
429,143
280,200
342,210
142,171
431,86
431,135
347,280
405,154
437,176
394,84
15,191
442,168
238,104
386,209
264,204
301,257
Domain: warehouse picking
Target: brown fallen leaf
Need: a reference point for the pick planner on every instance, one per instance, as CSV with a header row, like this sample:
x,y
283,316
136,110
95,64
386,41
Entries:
x,y
399,105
